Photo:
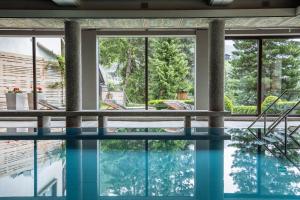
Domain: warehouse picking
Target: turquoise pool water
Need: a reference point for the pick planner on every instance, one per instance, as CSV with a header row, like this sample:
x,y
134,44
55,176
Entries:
x,y
214,169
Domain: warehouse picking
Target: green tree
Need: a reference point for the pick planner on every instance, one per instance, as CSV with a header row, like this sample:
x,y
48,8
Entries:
x,y
277,174
59,66
281,66
168,69
242,78
170,167
281,69
127,54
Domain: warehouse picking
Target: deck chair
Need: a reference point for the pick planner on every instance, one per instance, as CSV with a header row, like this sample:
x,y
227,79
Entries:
x,y
112,105
177,105
47,105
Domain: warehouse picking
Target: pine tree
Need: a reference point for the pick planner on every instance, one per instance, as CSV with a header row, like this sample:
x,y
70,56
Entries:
x,y
281,66
128,55
168,69
281,69
241,83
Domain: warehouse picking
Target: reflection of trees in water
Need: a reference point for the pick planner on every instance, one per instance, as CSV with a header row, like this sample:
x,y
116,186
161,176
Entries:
x,y
171,168
123,168
122,165
253,172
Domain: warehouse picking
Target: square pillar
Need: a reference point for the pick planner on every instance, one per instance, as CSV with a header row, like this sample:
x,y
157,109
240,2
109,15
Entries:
x,y
90,71
202,70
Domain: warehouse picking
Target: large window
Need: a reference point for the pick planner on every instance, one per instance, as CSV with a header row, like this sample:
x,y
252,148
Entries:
x,y
280,73
146,73
241,76
122,68
171,73
272,64
17,72
50,71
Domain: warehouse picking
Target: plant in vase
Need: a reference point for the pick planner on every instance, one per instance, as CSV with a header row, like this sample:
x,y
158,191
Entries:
x,y
15,99
39,96
182,91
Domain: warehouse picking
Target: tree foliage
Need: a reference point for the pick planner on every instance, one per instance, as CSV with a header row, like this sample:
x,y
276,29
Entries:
x,y
169,69
127,55
123,168
281,69
170,65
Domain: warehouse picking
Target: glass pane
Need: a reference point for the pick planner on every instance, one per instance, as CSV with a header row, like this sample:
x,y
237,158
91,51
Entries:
x,y
281,71
16,72
122,73
241,76
50,73
16,168
171,73
122,168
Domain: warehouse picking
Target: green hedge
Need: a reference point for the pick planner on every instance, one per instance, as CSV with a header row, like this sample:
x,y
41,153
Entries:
x,y
244,110
159,103
278,108
228,104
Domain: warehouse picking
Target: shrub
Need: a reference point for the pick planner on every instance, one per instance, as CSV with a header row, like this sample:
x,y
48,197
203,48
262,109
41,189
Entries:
x,y
189,101
268,101
228,104
158,104
284,105
244,110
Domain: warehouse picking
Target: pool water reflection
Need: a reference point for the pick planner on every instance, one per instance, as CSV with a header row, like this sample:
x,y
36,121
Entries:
x,y
126,169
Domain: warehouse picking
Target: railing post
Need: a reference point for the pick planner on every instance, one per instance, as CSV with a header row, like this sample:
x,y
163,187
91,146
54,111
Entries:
x,y
265,123
188,125
43,124
285,135
101,124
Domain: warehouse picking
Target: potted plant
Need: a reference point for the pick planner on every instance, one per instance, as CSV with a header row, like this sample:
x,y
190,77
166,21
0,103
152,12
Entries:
x,y
40,96
182,91
15,99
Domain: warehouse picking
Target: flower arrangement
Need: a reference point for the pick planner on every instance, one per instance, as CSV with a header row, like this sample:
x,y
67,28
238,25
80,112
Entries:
x,y
39,89
14,90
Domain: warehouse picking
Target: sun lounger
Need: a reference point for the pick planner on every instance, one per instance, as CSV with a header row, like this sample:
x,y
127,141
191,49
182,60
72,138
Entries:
x,y
47,105
112,105
177,105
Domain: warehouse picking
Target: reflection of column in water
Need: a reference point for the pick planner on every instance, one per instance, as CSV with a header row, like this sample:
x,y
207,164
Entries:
x,y
73,170
209,183
216,169
89,170
202,170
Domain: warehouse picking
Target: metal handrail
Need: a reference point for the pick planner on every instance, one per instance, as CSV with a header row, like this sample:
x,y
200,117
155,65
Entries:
x,y
294,131
267,109
281,117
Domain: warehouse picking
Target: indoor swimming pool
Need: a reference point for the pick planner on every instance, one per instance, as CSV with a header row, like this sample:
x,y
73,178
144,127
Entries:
x,y
235,167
